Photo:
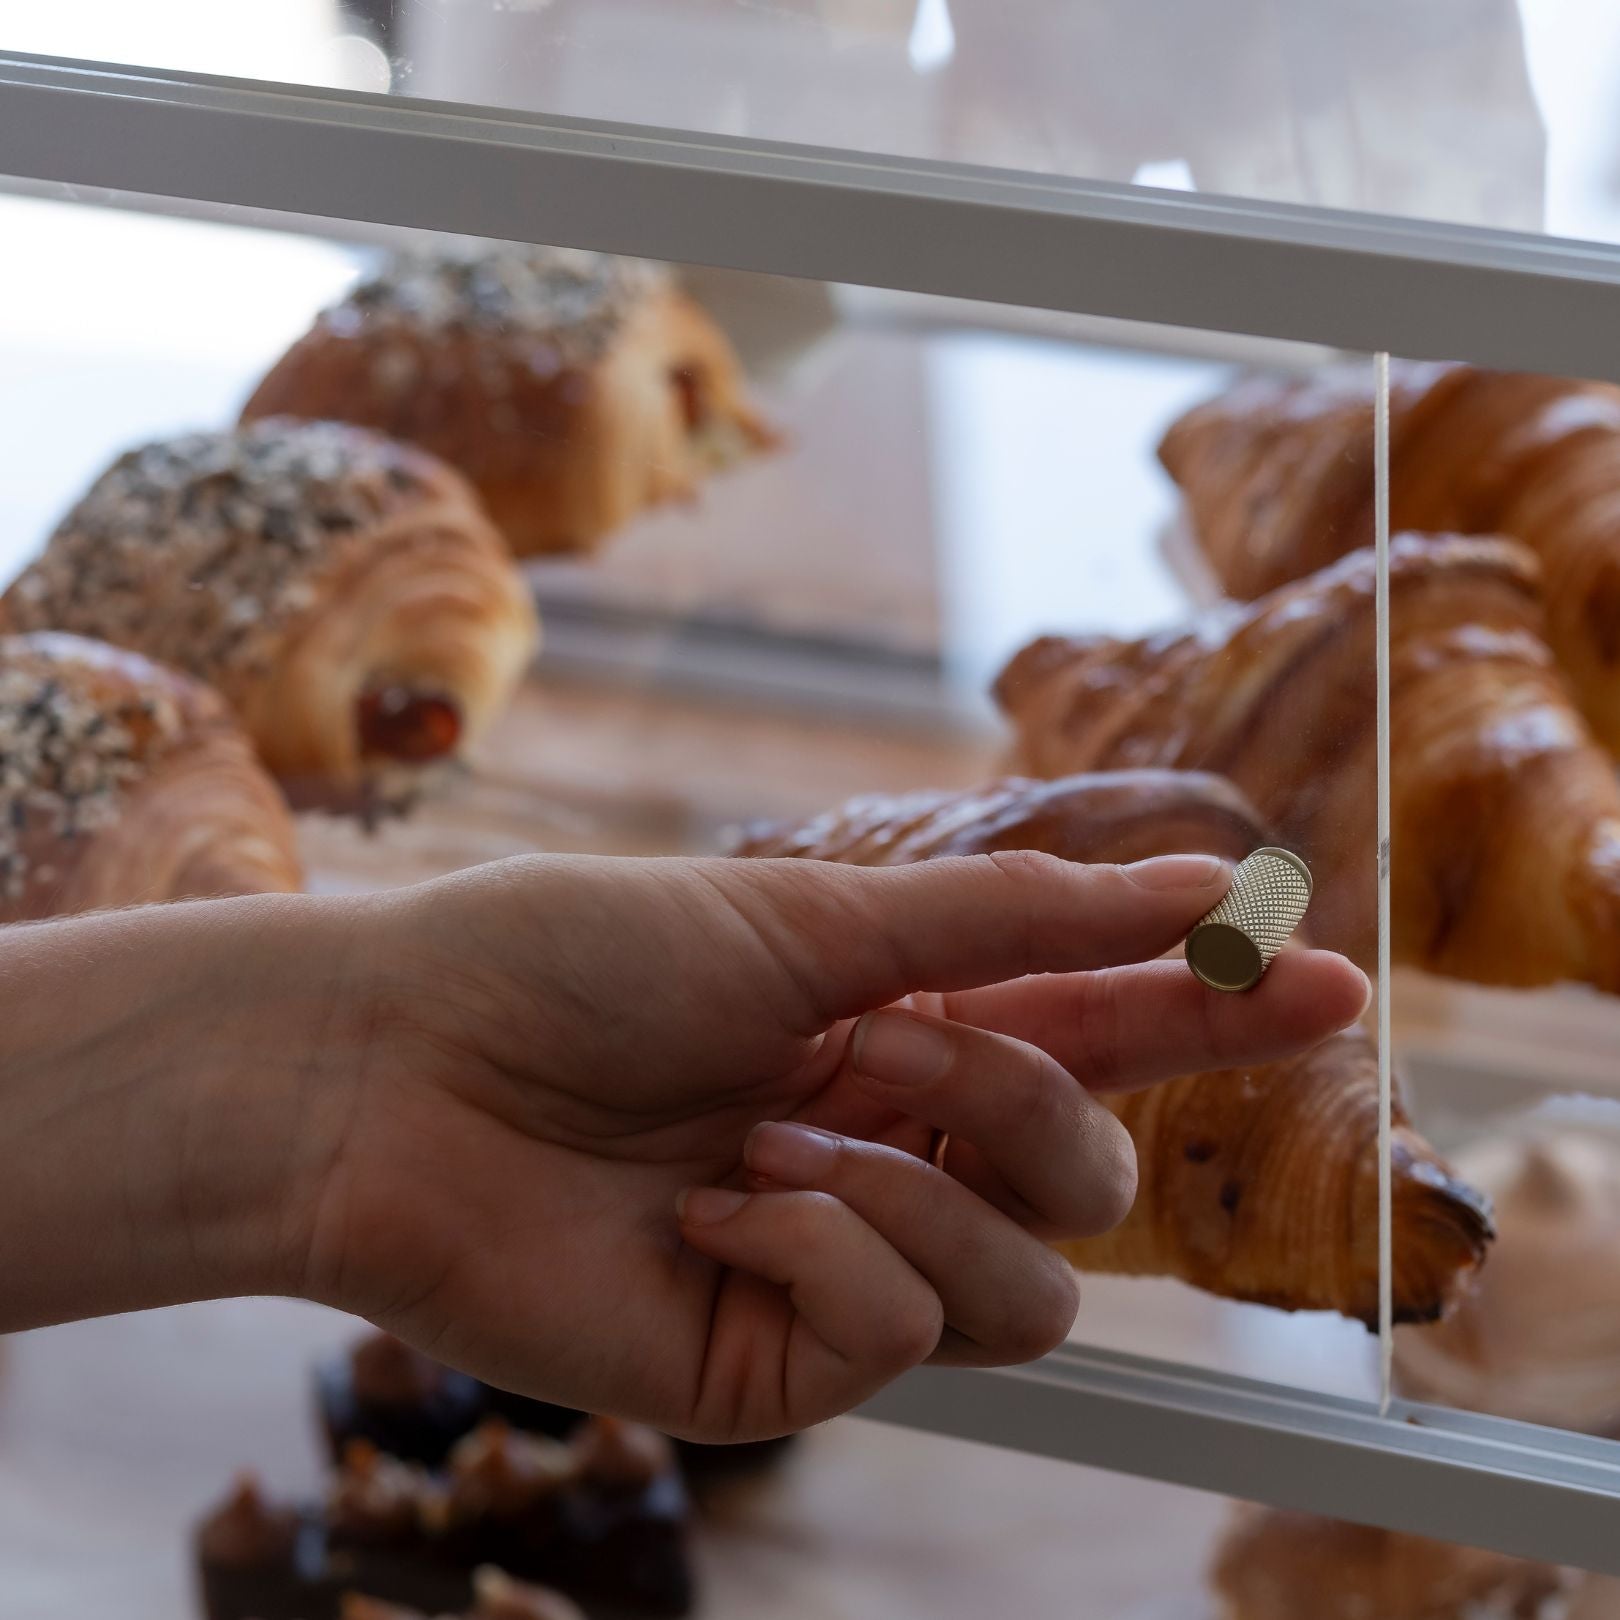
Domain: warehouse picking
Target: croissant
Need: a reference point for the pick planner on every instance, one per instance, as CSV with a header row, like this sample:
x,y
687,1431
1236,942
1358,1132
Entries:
x,y
1538,1338
1276,1565
121,782
1278,479
345,594
1534,1340
573,389
1258,1184
1505,811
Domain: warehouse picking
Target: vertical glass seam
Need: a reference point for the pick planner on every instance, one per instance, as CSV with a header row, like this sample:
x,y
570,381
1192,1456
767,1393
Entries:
x,y
1386,1323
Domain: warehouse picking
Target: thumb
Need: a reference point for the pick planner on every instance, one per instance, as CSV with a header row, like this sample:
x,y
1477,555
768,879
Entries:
x,y
854,937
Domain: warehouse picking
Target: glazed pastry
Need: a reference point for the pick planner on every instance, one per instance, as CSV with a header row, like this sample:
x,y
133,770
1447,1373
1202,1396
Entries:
x,y
1279,482
122,782
346,594
1538,1337
1275,1565
573,389
1261,1184
1506,812
1257,1184
1109,816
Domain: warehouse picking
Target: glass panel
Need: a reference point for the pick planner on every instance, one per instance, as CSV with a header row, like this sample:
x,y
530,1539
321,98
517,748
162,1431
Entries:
x,y
1506,838
1482,112
781,568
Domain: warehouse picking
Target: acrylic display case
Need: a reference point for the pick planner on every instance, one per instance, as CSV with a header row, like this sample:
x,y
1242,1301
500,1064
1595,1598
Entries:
x,y
980,324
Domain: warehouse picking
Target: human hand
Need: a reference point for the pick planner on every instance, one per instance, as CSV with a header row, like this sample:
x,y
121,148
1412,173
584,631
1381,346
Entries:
x,y
561,1054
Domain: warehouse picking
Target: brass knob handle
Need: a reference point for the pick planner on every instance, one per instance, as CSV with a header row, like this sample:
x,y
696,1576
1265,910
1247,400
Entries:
x,y
1231,947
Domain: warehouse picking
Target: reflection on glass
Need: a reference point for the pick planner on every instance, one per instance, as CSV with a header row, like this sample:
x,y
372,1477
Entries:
x,y
1487,112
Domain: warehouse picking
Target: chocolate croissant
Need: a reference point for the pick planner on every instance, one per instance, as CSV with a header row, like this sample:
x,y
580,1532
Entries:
x,y
573,389
121,783
346,594
1279,482
1506,811
1256,1184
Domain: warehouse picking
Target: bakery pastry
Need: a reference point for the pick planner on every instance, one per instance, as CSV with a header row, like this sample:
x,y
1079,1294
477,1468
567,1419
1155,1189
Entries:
x,y
1261,1184
1106,816
1279,482
1257,1184
1506,812
603,1518
1275,1565
345,594
573,389
1538,1336
496,1596
122,782
394,1398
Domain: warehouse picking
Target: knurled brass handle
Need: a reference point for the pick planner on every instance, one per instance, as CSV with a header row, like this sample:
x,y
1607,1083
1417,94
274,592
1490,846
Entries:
x,y
1231,947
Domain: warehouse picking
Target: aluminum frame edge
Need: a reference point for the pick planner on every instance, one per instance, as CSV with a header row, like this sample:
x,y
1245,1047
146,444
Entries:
x,y
1350,281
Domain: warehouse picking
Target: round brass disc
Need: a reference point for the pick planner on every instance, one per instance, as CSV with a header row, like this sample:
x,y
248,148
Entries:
x,y
1224,957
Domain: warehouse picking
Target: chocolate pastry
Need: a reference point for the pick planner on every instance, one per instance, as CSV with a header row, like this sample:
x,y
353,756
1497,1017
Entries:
x,y
410,1406
603,1518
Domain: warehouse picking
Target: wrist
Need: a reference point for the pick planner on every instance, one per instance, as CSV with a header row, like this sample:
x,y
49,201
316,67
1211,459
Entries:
x,y
172,1086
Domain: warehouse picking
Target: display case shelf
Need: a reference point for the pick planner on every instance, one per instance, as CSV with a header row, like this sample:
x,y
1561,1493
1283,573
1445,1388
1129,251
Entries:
x,y
1356,281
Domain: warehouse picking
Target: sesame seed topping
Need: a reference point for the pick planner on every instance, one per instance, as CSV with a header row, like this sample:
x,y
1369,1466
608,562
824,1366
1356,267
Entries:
x,y
68,751
575,302
205,551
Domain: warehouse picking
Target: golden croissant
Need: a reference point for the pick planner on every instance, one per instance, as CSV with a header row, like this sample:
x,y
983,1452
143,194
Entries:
x,y
1257,1184
1279,481
1505,809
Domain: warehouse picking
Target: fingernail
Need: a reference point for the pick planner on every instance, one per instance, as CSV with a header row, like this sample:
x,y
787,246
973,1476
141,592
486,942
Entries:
x,y
796,1155
705,1206
898,1050
1175,871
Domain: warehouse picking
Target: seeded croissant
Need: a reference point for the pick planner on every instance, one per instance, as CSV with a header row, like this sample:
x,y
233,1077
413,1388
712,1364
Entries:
x,y
1506,811
1257,1184
346,595
121,783
1279,482
573,389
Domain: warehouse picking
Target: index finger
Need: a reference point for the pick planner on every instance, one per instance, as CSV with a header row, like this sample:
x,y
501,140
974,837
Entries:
x,y
1131,1026
855,938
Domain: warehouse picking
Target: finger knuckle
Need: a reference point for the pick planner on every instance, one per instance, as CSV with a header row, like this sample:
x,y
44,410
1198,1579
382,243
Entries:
x,y
809,1217
1035,1094
1112,1170
1046,1315
1099,1014
911,1330
1031,868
